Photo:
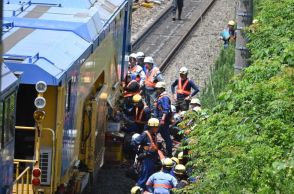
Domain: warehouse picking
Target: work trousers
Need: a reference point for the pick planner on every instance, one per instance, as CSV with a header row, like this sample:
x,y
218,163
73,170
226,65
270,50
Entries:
x,y
150,96
177,4
146,171
165,134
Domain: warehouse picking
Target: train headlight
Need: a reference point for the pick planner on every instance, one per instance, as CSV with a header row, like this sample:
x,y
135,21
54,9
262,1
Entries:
x,y
41,86
40,102
39,115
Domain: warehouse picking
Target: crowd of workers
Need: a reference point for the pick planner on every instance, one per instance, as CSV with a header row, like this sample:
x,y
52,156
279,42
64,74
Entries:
x,y
151,120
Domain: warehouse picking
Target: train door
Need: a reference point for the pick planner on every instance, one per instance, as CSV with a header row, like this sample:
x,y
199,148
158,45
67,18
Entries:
x,y
95,117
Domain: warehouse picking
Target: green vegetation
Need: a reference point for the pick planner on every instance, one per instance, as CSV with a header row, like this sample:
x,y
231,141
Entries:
x,y
221,74
246,143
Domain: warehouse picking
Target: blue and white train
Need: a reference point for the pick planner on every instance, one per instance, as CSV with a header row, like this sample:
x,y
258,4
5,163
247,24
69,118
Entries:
x,y
78,48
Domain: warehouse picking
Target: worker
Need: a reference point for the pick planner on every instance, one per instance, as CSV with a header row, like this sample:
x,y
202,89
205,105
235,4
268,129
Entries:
x,y
136,190
148,152
153,75
132,86
228,34
195,102
135,69
163,113
142,113
177,5
162,182
183,94
181,176
180,157
140,60
175,162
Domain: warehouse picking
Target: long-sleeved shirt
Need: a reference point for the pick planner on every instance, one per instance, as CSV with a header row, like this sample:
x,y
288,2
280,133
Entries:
x,y
189,86
163,106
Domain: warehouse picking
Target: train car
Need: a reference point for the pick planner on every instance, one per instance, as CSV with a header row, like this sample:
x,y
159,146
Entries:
x,y
8,89
78,49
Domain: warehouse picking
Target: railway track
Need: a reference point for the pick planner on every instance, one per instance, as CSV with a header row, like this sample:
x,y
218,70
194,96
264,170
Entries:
x,y
165,37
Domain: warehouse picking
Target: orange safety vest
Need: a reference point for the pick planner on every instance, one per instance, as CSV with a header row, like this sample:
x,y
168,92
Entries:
x,y
128,94
181,89
149,78
138,117
153,146
134,69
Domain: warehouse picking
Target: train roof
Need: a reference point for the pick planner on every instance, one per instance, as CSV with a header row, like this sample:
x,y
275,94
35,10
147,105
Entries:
x,y
8,79
45,38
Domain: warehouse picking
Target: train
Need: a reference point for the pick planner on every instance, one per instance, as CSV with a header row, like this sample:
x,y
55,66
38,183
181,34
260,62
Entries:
x,y
69,57
8,93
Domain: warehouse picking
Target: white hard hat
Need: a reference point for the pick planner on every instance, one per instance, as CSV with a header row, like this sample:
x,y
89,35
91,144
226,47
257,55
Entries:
x,y
160,85
231,23
183,70
148,60
182,113
133,55
197,109
177,117
173,108
135,136
254,21
140,55
195,101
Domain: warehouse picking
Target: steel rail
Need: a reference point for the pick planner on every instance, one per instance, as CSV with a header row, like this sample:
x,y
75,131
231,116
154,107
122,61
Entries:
x,y
184,38
147,31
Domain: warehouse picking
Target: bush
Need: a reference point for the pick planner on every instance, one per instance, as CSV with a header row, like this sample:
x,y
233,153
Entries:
x,y
247,143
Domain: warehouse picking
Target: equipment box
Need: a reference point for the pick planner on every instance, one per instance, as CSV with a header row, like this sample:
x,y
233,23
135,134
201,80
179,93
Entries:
x,y
114,143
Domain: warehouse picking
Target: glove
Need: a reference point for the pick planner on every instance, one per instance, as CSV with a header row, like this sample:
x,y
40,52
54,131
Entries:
x,y
162,122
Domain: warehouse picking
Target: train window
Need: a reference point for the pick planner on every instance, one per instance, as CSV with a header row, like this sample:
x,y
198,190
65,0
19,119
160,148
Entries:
x,y
1,124
68,96
9,111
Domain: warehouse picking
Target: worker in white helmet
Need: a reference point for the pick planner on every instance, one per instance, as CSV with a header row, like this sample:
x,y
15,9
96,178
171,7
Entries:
x,y
153,75
183,94
140,60
228,34
195,102
135,70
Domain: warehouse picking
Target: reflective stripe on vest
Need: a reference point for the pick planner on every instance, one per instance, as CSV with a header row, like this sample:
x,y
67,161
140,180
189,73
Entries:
x,y
153,146
166,186
181,89
138,117
128,94
149,78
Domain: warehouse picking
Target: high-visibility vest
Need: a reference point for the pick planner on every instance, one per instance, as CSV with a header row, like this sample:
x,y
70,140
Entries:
x,y
149,78
128,94
139,115
181,88
153,146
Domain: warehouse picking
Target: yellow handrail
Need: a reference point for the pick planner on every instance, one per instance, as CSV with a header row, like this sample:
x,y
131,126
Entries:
x,y
53,151
21,177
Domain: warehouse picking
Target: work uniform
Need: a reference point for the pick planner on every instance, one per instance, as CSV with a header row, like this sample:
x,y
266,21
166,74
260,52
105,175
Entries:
x,y
163,106
177,4
152,77
150,154
137,71
142,115
183,91
228,34
161,183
